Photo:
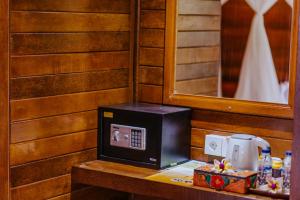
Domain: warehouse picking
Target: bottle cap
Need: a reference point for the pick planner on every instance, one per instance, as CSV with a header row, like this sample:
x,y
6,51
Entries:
x,y
288,153
268,150
276,163
267,167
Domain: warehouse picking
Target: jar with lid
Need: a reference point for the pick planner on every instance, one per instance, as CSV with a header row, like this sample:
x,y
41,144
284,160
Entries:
x,y
277,175
277,165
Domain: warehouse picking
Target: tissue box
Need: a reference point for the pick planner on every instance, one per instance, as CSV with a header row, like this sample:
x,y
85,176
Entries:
x,y
239,181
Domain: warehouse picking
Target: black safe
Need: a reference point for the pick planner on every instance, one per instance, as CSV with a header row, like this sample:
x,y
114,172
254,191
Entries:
x,y
146,135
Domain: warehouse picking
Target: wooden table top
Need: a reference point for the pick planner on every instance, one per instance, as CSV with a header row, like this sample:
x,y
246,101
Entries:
x,y
131,179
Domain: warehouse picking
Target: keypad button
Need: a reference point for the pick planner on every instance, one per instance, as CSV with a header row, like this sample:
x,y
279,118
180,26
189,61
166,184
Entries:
x,y
136,139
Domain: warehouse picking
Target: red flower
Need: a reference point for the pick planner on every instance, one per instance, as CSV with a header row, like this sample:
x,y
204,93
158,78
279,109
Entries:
x,y
217,182
248,181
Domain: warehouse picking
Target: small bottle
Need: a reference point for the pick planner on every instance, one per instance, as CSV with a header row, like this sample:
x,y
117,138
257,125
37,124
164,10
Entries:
x,y
287,162
277,168
267,166
260,169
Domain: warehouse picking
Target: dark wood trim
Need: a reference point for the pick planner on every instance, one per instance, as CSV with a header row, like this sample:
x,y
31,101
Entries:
x,y
136,65
4,100
295,186
133,14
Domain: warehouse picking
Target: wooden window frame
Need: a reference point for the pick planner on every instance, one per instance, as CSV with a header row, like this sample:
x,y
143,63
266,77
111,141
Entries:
x,y
224,104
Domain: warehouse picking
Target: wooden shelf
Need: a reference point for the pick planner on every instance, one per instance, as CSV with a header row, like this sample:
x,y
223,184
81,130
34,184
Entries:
x,y
131,179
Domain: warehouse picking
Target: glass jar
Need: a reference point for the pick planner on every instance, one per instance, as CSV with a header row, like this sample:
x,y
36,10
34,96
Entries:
x,y
276,167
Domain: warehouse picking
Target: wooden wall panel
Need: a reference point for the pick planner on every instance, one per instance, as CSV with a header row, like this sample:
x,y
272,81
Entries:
x,y
197,86
46,43
198,55
90,6
68,22
198,23
44,189
52,126
34,65
30,87
152,57
152,38
63,104
153,4
53,146
196,7
151,51
4,98
68,57
152,19
194,71
151,75
198,154
150,93
279,132
198,46
48,168
196,39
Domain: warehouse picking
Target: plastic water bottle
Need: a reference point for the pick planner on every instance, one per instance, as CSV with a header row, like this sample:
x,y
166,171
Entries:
x,y
267,166
287,162
260,169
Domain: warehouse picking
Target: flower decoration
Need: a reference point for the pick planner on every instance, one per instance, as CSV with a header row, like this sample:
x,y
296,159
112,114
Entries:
x,y
223,167
217,182
274,185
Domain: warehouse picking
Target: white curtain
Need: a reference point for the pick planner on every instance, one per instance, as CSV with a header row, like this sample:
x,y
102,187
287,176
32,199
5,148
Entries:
x,y
258,79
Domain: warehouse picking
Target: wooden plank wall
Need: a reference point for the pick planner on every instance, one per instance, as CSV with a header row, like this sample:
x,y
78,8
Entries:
x,y
198,47
151,51
277,131
278,26
67,58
